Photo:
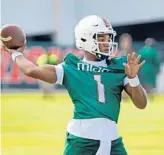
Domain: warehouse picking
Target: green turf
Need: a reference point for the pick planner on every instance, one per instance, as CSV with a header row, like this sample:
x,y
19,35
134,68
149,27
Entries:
x,y
33,126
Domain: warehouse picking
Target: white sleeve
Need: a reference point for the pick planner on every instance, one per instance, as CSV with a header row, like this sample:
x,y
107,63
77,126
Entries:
x,y
59,74
126,81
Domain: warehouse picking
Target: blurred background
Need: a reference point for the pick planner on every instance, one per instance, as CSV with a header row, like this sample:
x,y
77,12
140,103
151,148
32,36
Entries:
x,y
35,114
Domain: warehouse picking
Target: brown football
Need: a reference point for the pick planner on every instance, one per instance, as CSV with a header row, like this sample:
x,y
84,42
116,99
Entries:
x,y
12,36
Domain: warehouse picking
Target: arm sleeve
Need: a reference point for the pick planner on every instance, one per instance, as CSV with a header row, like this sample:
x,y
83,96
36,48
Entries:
x,y
59,74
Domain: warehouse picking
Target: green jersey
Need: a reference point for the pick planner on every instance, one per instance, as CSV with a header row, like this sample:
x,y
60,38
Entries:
x,y
95,90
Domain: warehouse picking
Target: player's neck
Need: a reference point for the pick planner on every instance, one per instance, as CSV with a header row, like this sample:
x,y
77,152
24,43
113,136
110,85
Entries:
x,y
90,57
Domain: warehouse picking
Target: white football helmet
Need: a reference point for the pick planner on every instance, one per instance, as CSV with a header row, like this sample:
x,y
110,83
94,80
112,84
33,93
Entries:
x,y
86,32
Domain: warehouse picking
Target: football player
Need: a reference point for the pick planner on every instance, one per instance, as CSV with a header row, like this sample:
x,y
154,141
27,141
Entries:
x,y
94,84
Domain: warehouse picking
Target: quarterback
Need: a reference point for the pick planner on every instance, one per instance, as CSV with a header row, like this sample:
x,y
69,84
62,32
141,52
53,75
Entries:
x,y
94,84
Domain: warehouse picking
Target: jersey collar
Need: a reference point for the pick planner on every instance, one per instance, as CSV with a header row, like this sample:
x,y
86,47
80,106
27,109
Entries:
x,y
96,63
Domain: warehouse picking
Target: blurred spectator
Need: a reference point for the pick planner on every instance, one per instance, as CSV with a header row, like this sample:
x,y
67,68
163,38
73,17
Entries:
x,y
47,58
125,44
149,71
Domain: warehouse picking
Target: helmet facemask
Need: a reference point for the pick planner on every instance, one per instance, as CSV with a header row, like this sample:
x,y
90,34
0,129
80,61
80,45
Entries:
x,y
111,46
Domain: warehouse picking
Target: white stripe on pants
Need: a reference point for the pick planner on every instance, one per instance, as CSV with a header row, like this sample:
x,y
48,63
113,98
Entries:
x,y
104,149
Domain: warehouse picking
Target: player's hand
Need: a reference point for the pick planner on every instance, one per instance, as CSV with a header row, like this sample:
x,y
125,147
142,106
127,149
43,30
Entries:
x,y
133,66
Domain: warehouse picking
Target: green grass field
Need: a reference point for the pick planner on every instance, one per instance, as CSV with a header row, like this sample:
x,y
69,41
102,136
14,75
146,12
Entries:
x,y
33,126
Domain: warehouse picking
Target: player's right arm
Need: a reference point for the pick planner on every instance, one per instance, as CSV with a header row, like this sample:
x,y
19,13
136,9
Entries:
x,y
47,73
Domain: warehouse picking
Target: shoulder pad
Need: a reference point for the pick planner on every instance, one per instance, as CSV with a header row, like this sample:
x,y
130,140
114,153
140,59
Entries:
x,y
71,59
117,62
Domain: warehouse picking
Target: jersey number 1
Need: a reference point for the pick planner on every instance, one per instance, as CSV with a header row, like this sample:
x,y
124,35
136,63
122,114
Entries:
x,y
100,89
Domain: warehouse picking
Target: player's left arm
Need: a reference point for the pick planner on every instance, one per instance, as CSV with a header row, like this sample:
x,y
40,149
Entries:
x,y
133,88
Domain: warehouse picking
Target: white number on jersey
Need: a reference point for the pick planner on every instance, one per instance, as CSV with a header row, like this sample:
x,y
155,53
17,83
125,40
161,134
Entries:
x,y
100,89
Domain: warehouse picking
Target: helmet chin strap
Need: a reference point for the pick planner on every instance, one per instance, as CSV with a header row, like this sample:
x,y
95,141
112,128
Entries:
x,y
101,56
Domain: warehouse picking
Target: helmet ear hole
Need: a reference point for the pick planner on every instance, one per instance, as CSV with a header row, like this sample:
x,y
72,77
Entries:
x,y
84,40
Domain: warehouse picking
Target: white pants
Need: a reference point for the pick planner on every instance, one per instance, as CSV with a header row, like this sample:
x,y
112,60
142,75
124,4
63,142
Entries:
x,y
101,129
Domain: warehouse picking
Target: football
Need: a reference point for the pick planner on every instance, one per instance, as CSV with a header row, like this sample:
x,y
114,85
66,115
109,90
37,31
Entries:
x,y
12,36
